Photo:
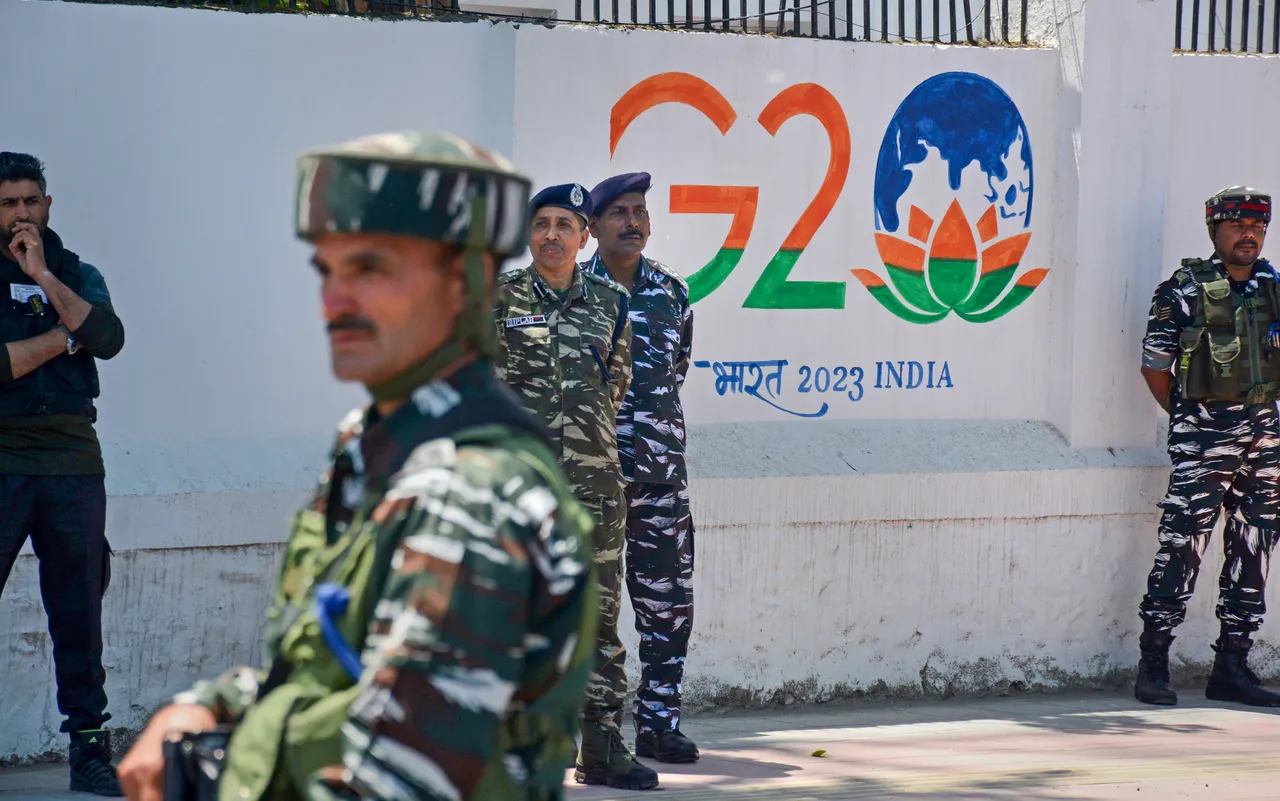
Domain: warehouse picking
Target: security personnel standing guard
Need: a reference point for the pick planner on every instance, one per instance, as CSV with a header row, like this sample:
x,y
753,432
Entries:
x,y
431,635
1212,360
651,442
565,348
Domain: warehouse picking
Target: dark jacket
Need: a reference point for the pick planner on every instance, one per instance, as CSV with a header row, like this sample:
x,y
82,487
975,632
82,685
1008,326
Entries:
x,y
66,384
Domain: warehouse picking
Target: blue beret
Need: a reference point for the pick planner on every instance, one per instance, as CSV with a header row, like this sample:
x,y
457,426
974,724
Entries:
x,y
564,196
610,189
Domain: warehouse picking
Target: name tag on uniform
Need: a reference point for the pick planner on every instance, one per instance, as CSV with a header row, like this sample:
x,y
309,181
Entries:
x,y
521,322
23,292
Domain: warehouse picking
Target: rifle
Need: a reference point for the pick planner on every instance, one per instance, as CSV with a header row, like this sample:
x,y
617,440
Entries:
x,y
193,764
193,760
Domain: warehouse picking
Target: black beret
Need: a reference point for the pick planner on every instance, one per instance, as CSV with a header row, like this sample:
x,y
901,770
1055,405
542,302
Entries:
x,y
564,196
610,189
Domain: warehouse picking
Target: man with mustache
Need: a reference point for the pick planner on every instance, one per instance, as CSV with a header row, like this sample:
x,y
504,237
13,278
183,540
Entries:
x,y
432,629
56,318
1211,358
565,348
651,443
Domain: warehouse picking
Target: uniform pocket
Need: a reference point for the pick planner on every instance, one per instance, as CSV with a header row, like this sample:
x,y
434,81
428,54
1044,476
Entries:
x,y
528,351
664,337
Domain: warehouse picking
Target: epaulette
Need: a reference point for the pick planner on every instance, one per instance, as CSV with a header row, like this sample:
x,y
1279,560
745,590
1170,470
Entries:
x,y
1198,270
667,271
511,275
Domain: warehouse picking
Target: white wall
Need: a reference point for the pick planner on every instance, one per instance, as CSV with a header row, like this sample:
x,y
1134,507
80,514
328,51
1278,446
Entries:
x,y
937,543
1241,91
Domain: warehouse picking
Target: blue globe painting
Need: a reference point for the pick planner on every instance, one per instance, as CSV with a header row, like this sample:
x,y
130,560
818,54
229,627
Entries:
x,y
956,150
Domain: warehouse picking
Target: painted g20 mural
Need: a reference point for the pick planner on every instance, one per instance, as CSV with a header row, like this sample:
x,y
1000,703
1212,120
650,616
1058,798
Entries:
x,y
773,290
961,120
974,133
855,225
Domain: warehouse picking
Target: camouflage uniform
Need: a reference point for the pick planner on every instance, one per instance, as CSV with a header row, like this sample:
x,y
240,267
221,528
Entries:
x,y
651,443
454,665
1226,455
1220,337
569,360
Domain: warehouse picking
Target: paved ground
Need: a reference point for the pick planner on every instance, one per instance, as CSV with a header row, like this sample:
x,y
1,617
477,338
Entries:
x,y
1068,748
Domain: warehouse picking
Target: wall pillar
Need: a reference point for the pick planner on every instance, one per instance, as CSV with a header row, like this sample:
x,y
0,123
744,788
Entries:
x,y
1123,163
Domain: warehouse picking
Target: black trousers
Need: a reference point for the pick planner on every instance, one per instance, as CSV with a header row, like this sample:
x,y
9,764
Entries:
x,y
65,517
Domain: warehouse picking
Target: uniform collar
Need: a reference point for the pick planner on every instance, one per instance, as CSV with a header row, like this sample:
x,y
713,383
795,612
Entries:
x,y
1261,268
577,287
381,436
646,273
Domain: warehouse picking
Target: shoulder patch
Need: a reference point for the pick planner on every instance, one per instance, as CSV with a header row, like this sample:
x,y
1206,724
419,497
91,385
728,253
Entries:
x,y
510,276
672,274
431,454
352,423
666,270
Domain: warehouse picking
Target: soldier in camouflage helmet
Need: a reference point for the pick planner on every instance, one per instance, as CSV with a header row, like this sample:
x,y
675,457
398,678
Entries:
x,y
433,625
1211,358
651,444
565,348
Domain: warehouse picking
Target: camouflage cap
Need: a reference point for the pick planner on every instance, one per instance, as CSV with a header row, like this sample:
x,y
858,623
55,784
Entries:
x,y
429,185
1237,203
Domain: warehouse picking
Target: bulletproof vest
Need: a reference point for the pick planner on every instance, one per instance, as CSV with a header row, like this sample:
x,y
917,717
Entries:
x,y
66,384
1224,354
293,729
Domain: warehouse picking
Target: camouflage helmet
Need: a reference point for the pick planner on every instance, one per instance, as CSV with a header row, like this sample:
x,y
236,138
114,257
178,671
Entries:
x,y
1236,203
428,185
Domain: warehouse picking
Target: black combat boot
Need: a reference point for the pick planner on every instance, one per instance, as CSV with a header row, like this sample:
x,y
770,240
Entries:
x,y
1232,680
667,746
604,759
1153,685
91,770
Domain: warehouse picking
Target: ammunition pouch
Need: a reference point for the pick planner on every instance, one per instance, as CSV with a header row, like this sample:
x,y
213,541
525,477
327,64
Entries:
x,y
1209,374
1224,354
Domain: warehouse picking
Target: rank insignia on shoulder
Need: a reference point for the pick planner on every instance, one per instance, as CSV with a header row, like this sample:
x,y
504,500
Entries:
x,y
520,322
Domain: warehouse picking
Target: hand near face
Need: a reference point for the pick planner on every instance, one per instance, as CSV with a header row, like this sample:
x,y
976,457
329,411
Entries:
x,y
27,248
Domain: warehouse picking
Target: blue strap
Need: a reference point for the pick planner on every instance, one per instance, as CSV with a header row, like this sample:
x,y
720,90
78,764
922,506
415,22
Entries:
x,y
604,371
624,308
331,603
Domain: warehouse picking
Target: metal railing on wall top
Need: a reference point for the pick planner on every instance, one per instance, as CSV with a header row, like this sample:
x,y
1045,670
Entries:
x,y
960,22
1001,22
1227,26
